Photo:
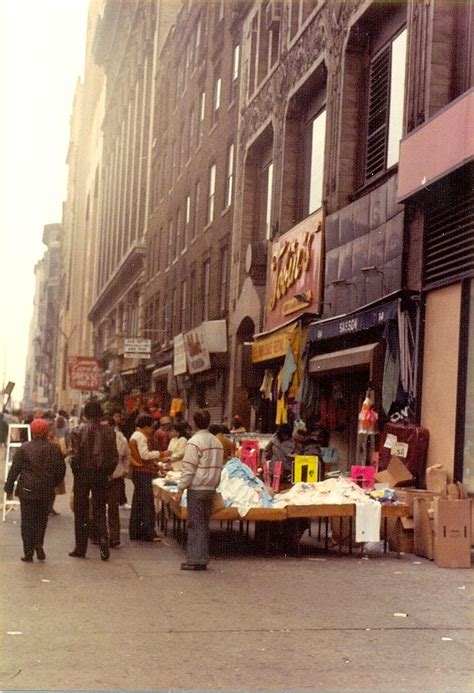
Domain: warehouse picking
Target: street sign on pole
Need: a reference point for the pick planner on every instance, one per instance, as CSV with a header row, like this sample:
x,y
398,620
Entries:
x,y
85,373
137,348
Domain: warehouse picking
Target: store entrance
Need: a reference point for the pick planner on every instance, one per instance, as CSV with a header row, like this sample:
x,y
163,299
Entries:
x,y
341,395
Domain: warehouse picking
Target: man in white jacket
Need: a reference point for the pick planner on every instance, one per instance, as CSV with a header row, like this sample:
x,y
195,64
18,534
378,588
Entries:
x,y
200,474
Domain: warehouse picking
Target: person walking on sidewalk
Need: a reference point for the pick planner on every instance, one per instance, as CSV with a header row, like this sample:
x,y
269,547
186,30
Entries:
x,y
201,469
39,467
116,481
94,457
145,464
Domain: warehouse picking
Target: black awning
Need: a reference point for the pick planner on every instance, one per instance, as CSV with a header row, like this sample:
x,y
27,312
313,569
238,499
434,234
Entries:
x,y
351,323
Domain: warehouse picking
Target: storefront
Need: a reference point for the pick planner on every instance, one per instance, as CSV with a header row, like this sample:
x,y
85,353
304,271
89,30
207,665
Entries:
x,y
370,353
437,185
200,369
293,298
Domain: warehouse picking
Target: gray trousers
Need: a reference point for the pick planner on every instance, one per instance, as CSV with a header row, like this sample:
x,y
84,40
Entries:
x,y
199,512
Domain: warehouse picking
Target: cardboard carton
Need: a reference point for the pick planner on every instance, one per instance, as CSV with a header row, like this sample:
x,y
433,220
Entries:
x,y
423,530
452,533
408,496
437,479
396,473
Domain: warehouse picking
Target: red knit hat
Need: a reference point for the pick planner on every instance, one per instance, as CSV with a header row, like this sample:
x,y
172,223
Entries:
x,y
39,427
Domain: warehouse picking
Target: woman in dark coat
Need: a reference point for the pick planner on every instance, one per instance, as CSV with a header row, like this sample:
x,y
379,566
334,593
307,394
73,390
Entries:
x,y
38,466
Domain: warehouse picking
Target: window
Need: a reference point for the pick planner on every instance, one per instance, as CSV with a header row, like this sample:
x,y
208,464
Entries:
x,y
169,253
299,12
267,200
197,208
220,11
198,39
385,106
217,99
190,146
177,248
224,261
192,298
234,80
314,146
183,325
202,115
230,176
167,321
187,222
164,171
173,163
206,286
176,313
211,194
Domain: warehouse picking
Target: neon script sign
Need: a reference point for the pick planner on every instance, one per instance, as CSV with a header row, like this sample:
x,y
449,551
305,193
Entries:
x,y
288,263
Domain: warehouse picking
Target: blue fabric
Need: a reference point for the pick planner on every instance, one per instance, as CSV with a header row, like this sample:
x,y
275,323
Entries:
x,y
238,470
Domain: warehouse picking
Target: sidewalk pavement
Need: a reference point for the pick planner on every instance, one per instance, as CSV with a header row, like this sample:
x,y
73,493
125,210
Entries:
x,y
317,623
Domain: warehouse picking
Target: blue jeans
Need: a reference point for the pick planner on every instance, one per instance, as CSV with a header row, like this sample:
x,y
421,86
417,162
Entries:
x,y
199,512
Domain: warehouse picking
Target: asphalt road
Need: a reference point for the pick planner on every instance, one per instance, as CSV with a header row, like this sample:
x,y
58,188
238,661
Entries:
x,y
250,623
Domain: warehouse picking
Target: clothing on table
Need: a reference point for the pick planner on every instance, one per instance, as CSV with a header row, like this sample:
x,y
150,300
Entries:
x,y
38,467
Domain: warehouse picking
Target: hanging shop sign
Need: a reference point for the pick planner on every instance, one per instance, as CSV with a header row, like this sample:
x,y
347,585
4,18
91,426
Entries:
x,y
294,285
85,373
272,347
197,354
353,322
191,350
179,355
136,348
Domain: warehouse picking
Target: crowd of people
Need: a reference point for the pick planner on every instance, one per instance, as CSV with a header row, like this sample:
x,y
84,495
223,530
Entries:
x,y
103,450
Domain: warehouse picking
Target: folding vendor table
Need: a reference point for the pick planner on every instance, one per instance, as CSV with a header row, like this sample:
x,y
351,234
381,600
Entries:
x,y
171,508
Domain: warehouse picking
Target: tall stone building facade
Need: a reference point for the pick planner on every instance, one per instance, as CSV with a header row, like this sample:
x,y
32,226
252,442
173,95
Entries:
x,y
42,356
125,45
262,215
81,214
328,91
192,202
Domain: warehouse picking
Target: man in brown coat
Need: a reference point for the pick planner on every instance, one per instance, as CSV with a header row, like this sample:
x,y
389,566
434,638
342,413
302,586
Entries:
x,y
94,456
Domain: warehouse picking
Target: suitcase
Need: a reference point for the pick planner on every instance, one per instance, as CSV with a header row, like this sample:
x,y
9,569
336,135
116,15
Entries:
x,y
417,439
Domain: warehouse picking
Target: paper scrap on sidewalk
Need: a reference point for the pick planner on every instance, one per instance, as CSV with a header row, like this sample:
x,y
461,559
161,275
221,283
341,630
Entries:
x,y
447,639
400,614
45,580
14,632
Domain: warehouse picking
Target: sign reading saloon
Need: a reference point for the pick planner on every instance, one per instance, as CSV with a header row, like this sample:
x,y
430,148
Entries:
x,y
85,373
294,286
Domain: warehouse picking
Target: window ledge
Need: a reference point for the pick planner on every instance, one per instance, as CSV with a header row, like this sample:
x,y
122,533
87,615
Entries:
x,y
374,183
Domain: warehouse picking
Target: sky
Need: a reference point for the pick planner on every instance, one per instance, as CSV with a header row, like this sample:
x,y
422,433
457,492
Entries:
x,y
42,47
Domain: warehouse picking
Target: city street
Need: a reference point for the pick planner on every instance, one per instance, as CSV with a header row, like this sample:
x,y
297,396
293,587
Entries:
x,y
360,623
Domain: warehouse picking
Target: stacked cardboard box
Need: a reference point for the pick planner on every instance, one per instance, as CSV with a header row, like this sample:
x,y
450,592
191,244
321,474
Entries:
x,y
442,521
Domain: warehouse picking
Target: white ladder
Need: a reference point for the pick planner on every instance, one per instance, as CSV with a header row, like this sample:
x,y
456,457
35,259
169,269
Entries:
x,y
13,443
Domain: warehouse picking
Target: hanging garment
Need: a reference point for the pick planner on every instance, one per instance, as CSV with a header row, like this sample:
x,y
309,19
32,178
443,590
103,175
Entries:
x,y
281,411
267,383
289,367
